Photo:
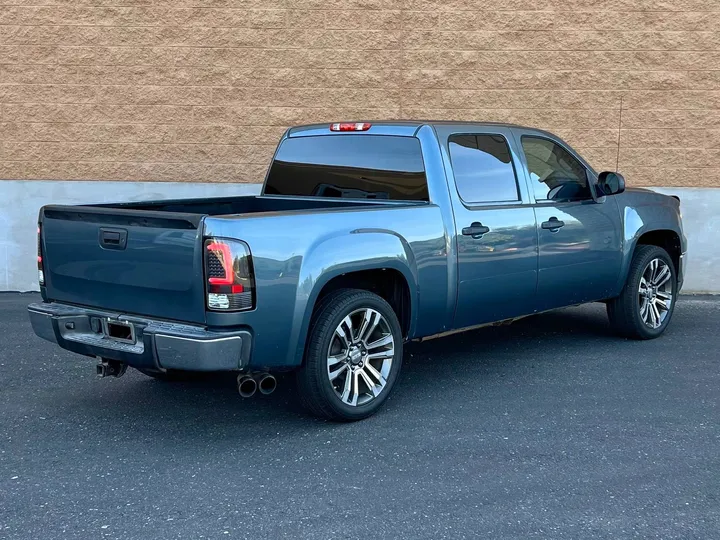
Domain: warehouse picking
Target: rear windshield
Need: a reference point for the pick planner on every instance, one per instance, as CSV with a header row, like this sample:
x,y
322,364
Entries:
x,y
349,166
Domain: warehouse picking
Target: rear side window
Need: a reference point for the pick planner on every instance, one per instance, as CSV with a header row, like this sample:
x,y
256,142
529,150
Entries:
x,y
349,166
483,168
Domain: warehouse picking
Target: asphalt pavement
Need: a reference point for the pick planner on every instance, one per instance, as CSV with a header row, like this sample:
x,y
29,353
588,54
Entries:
x,y
549,428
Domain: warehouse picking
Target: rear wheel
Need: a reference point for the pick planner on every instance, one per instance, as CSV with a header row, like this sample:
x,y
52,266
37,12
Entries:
x,y
353,356
644,308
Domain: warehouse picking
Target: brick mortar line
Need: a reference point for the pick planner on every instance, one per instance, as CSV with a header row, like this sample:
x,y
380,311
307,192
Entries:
x,y
359,106
304,48
451,69
185,66
562,30
700,91
433,88
360,9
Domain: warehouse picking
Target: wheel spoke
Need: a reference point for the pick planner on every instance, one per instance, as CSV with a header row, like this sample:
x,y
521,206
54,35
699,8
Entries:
x,y
385,340
335,359
347,387
340,332
374,321
371,385
356,388
644,311
339,371
660,302
375,373
663,276
653,270
651,315
382,355
643,286
367,317
664,295
656,313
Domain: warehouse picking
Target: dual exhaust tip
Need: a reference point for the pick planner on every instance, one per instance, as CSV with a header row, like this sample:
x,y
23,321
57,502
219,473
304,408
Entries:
x,y
259,382
247,384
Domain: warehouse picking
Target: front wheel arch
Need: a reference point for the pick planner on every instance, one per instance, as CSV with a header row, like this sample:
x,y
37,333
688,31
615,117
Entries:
x,y
626,310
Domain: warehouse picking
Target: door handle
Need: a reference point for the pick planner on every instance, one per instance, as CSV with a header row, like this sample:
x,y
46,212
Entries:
x,y
476,230
553,225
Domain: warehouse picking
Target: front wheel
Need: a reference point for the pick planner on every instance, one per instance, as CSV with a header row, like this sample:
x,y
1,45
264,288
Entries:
x,y
353,356
646,304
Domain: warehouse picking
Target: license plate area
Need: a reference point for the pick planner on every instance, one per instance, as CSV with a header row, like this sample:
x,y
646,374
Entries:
x,y
121,331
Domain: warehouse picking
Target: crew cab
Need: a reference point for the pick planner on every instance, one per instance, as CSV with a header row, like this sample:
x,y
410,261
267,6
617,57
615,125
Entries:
x,y
365,235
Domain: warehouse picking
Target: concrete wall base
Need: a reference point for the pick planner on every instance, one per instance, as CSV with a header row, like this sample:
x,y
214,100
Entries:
x,y
21,201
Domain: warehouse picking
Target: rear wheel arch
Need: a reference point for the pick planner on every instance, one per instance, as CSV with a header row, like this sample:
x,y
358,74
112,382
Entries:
x,y
371,279
388,283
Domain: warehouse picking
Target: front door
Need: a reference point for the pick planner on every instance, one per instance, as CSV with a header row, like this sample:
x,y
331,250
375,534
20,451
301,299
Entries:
x,y
495,229
580,241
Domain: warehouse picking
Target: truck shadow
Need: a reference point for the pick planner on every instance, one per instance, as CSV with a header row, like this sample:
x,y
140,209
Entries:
x,y
209,407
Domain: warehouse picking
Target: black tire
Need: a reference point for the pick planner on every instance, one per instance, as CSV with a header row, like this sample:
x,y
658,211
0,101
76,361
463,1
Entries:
x,y
316,390
170,375
624,311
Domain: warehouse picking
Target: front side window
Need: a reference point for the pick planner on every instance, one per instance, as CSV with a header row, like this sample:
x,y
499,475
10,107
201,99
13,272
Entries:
x,y
483,169
349,166
554,173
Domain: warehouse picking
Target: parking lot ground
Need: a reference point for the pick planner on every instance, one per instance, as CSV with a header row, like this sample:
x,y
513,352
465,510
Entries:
x,y
548,428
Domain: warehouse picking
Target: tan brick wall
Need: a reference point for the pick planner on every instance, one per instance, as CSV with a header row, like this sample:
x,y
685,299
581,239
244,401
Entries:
x,y
199,90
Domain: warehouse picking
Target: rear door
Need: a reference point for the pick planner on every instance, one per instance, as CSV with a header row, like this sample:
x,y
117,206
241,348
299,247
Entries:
x,y
580,239
495,227
130,261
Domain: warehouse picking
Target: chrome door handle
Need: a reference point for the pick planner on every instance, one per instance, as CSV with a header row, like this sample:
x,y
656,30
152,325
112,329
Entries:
x,y
476,230
553,224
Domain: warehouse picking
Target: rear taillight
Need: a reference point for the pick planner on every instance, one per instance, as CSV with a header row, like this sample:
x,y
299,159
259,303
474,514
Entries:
x,y
41,273
350,126
230,284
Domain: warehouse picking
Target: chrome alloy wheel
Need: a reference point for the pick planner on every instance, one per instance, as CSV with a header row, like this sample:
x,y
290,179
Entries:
x,y
360,356
655,293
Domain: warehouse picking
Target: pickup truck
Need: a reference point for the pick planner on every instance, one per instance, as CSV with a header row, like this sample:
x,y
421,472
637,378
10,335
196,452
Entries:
x,y
365,235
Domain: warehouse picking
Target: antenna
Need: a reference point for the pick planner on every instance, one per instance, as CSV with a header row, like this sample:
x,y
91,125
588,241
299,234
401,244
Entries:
x,y
617,158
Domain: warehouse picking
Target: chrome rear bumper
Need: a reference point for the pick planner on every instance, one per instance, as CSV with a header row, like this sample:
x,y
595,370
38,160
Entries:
x,y
156,344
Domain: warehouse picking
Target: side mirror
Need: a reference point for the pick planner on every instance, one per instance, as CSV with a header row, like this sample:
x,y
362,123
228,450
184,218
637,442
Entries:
x,y
610,183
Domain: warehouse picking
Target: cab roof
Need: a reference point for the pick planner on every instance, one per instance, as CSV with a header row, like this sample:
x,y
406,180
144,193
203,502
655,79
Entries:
x,y
401,127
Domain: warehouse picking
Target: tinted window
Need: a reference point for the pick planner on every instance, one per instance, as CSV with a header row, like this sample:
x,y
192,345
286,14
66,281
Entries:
x,y
554,173
483,168
349,166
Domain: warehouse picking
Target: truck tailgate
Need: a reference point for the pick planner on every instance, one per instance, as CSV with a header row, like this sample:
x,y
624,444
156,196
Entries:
x,y
132,261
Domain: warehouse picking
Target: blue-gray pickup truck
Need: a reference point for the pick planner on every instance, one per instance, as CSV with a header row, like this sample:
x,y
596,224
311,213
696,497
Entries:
x,y
364,236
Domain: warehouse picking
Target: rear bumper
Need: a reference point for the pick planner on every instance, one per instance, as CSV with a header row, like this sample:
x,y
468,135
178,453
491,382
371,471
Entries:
x,y
158,344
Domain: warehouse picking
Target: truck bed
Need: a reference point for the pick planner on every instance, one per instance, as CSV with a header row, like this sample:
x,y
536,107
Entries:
x,y
146,257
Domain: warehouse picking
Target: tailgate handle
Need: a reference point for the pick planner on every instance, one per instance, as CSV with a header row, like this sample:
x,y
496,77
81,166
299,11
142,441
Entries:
x,y
113,238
